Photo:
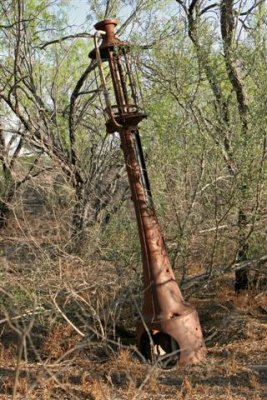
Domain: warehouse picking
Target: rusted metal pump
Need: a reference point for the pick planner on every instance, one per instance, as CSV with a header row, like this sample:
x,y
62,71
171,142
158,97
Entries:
x,y
169,327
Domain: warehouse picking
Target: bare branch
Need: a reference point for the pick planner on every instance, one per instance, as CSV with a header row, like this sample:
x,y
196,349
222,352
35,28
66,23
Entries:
x,y
252,7
192,6
83,35
73,98
208,8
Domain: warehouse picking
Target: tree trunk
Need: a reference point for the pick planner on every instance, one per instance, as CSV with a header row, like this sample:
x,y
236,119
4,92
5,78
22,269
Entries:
x,y
4,211
222,111
77,226
228,22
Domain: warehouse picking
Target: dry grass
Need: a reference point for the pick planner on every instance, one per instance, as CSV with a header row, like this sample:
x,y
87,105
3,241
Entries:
x,y
73,319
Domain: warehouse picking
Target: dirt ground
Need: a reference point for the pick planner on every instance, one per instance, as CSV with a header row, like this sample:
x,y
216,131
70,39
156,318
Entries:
x,y
64,336
68,367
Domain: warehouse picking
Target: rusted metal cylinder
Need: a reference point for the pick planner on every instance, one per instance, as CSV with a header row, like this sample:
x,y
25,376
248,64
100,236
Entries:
x,y
164,309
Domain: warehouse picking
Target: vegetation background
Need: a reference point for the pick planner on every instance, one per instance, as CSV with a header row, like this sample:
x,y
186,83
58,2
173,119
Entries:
x,y
71,276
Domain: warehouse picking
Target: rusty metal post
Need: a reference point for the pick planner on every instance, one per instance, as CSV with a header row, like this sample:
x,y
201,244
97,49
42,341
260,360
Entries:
x,y
168,325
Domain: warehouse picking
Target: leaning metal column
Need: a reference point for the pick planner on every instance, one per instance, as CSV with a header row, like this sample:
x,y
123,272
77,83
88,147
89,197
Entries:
x,y
167,323
164,310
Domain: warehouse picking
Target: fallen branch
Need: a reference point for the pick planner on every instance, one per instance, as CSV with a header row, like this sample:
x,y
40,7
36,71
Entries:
x,y
66,318
248,263
38,310
258,368
200,280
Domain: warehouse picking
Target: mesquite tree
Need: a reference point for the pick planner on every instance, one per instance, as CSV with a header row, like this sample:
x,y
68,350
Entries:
x,y
203,75
231,100
47,101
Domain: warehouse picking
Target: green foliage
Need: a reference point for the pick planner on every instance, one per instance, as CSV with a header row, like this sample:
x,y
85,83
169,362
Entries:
x,y
119,239
184,136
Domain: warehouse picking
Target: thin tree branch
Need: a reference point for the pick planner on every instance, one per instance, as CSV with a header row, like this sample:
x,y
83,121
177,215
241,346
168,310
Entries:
x,y
83,35
252,7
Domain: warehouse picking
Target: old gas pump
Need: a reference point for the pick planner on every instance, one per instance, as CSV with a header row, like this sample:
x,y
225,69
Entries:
x,y
168,324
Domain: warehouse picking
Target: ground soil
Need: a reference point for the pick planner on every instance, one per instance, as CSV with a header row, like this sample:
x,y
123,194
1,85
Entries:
x,y
59,338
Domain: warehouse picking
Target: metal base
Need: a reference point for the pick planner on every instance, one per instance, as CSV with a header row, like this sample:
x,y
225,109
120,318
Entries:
x,y
180,337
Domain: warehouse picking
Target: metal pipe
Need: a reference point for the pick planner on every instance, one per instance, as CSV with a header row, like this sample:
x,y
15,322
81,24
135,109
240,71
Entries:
x,y
164,309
